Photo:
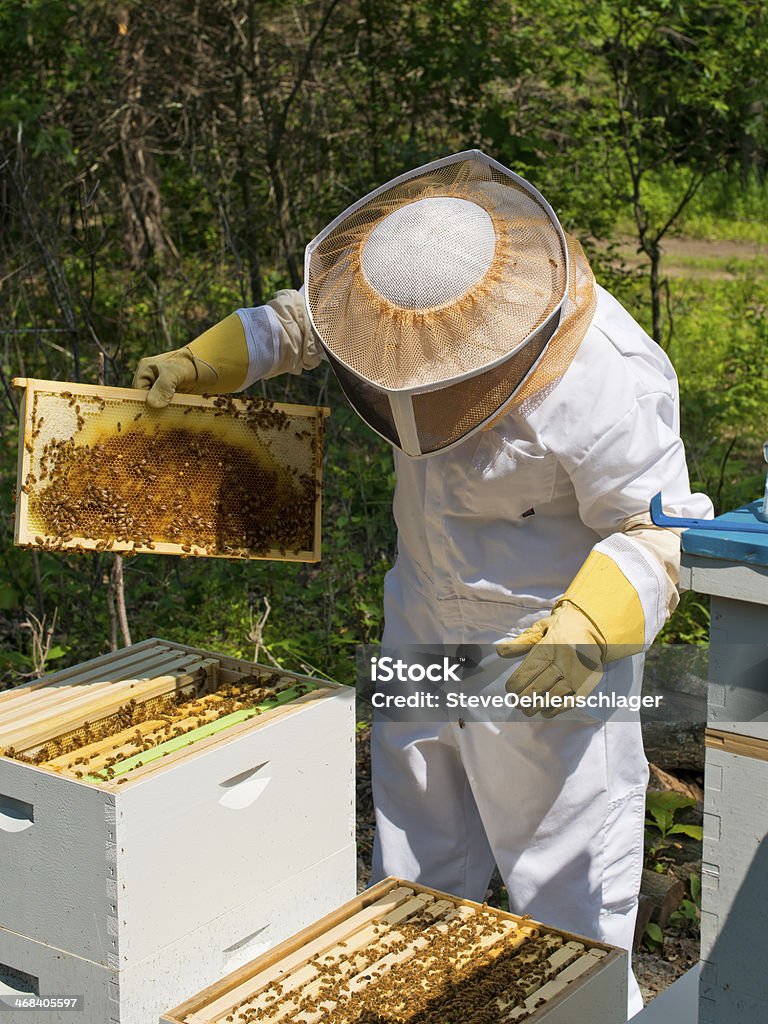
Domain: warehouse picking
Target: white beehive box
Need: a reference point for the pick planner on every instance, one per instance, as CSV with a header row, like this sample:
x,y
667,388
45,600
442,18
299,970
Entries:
x,y
402,950
738,667
137,994
735,575
184,864
734,879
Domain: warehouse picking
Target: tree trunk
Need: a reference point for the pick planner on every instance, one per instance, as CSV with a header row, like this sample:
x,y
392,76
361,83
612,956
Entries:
x,y
249,230
656,289
283,216
140,181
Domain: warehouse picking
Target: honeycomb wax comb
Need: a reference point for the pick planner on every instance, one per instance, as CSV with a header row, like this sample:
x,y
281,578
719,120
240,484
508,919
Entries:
x,y
206,476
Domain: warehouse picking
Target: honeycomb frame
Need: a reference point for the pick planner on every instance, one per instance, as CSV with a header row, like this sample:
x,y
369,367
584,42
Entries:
x,y
377,958
39,714
209,476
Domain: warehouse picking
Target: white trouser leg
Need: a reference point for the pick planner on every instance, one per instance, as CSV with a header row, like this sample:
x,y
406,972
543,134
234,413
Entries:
x,y
427,824
558,804
569,844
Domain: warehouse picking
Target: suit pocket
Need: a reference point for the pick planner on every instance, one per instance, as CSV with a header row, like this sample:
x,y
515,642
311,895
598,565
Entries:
x,y
623,851
503,478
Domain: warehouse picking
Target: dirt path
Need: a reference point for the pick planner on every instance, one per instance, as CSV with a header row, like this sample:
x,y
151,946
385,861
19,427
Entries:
x,y
680,255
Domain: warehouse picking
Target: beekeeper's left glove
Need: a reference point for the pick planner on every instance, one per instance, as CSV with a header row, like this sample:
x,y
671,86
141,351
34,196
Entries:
x,y
599,619
216,363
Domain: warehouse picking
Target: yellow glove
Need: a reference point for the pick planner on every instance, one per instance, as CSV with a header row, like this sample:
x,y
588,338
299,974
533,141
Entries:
x,y
599,619
214,363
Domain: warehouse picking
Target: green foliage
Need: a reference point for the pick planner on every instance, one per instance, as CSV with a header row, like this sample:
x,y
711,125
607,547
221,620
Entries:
x,y
653,937
671,92
49,52
688,913
662,810
728,208
722,359
689,623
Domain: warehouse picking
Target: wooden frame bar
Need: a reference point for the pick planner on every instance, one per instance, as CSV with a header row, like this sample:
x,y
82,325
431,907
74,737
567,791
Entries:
x,y
98,694
736,743
31,716
104,663
89,709
355,920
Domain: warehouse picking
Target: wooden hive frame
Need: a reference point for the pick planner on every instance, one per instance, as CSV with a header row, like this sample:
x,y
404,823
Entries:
x,y
360,940
305,432
59,704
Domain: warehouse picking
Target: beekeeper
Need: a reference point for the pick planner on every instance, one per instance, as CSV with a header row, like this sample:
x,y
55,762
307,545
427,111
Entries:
x,y
532,420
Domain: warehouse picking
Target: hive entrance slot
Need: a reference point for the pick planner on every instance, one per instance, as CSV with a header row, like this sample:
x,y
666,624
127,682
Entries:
x,y
247,941
15,815
16,983
244,789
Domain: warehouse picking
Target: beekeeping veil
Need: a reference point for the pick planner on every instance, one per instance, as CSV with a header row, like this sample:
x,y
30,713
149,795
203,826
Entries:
x,y
446,297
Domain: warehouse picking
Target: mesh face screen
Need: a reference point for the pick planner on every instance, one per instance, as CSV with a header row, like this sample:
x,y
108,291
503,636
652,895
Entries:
x,y
447,415
396,347
370,403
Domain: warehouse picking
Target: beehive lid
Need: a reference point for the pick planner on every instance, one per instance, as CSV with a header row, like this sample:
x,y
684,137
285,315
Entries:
x,y
403,952
216,476
749,548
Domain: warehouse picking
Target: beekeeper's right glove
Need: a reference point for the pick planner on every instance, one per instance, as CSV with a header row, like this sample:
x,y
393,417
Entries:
x,y
214,363
599,619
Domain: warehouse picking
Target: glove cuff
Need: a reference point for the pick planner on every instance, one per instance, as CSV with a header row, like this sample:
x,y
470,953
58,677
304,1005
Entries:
x,y
220,357
602,593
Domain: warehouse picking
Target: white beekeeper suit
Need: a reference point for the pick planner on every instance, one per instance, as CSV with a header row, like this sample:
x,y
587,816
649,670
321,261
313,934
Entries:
x,y
493,528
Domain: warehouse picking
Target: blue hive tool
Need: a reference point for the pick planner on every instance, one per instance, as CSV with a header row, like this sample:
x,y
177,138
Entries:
x,y
757,510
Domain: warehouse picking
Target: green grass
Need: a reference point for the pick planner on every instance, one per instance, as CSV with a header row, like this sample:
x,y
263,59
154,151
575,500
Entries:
x,y
713,228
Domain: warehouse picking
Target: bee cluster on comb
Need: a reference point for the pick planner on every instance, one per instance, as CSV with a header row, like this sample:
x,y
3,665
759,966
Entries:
x,y
407,954
221,477
147,703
